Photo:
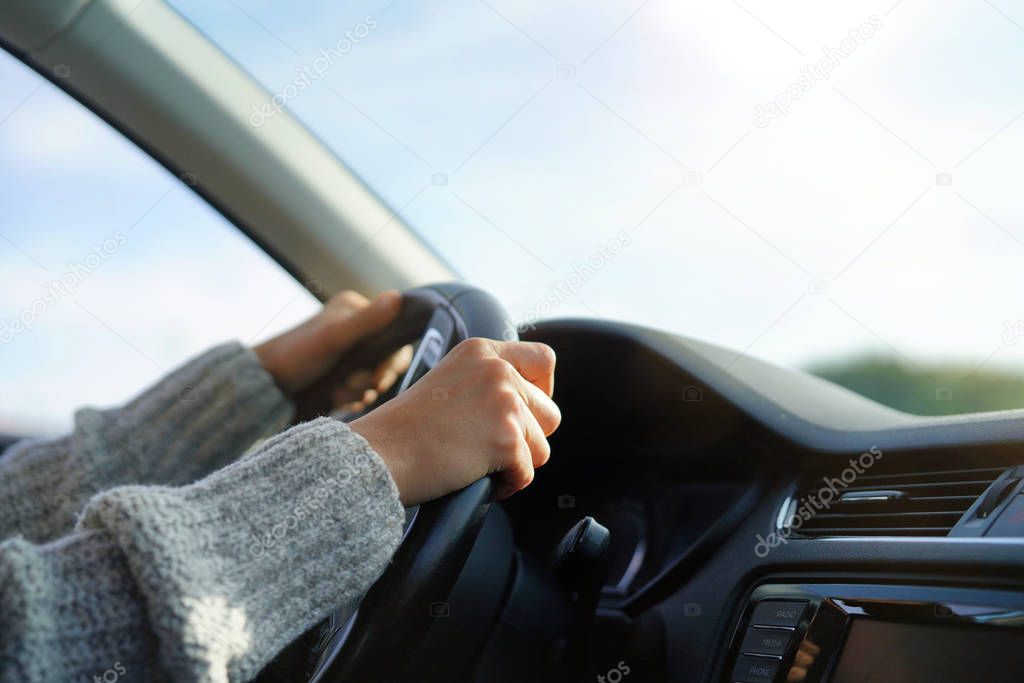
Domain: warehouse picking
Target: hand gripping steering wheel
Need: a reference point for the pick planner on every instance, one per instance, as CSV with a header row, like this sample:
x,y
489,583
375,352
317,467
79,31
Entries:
x,y
396,612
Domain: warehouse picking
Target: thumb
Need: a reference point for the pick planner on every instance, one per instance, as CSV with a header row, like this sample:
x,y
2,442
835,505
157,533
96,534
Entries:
x,y
366,320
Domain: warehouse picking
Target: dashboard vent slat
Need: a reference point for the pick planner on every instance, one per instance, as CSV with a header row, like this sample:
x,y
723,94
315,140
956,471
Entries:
x,y
884,531
927,503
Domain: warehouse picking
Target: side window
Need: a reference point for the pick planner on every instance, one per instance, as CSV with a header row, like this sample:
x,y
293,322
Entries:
x,y
112,271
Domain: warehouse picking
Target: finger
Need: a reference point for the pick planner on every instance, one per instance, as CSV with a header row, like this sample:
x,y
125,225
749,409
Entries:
x,y
536,439
342,396
518,474
533,360
353,401
388,372
345,330
543,410
360,381
346,302
803,658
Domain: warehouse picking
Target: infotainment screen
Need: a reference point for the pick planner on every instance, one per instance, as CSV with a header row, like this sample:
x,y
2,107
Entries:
x,y
890,652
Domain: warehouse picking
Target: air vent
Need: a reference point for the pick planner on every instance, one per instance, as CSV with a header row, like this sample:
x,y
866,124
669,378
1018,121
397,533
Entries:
x,y
908,504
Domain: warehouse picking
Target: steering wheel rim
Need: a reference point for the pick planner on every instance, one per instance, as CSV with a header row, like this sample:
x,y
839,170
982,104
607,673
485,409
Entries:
x,y
398,608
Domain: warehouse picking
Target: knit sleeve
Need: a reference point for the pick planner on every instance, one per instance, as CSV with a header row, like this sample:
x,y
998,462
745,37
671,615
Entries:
x,y
205,582
199,417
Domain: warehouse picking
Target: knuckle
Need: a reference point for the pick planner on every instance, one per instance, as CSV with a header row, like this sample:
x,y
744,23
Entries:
x,y
474,347
543,453
525,477
507,401
507,436
350,297
496,370
552,421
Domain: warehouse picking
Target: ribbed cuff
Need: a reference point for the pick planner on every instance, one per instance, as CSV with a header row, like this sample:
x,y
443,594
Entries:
x,y
235,566
201,416
71,612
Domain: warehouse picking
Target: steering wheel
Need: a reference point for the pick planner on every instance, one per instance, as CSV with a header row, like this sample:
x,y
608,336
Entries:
x,y
397,611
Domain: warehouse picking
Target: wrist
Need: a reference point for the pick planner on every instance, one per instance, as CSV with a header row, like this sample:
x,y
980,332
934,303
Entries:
x,y
390,450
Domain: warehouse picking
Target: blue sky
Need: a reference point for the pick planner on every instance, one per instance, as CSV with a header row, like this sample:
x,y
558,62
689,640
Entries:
x,y
559,125
69,183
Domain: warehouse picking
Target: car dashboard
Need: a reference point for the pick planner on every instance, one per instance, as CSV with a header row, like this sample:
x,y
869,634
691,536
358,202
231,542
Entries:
x,y
769,526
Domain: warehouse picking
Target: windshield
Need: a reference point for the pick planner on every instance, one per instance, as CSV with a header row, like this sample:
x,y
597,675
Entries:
x,y
828,186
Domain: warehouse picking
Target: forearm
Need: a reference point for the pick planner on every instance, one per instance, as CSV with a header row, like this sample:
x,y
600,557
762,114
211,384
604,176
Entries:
x,y
196,419
84,575
209,580
201,416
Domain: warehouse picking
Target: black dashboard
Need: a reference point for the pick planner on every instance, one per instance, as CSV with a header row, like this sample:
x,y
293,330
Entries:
x,y
734,488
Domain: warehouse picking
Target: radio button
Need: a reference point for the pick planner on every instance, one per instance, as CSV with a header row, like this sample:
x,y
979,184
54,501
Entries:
x,y
766,641
778,613
754,670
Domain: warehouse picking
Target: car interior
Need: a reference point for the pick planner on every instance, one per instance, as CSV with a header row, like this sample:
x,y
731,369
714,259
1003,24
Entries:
x,y
706,516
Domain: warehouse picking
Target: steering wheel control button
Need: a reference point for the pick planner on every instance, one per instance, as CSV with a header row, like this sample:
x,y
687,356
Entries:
x,y
766,641
778,613
750,669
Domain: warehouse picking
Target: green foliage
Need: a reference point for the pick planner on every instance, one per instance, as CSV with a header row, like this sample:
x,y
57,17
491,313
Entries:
x,y
921,389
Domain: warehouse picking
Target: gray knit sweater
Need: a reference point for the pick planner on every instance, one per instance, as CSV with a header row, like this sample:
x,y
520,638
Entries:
x,y
125,559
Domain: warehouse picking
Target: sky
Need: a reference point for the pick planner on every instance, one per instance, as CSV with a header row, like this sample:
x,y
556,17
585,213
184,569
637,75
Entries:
x,y
751,198
139,257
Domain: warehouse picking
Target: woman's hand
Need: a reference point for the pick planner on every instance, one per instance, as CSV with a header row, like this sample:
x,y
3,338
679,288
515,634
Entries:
x,y
485,408
300,356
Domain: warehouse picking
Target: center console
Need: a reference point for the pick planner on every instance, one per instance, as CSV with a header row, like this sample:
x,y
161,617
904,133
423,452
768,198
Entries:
x,y
875,633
